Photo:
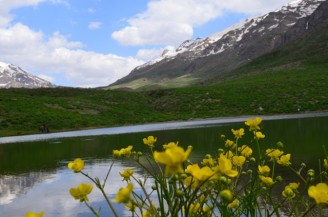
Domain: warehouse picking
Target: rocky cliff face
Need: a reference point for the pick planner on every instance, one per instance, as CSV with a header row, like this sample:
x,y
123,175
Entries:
x,y
13,76
226,50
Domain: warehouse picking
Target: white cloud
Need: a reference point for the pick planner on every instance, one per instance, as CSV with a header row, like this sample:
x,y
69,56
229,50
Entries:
x,y
94,25
50,56
57,55
169,22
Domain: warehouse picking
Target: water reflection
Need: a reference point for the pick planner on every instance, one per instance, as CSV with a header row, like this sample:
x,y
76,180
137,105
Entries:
x,y
49,191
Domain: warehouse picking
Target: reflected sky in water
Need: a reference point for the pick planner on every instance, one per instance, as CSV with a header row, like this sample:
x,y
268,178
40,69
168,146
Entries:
x,y
49,191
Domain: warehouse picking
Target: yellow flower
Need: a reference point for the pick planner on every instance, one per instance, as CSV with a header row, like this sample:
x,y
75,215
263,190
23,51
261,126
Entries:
x,y
225,167
229,154
259,135
325,164
245,151
77,165
266,180
150,141
206,209
254,124
233,204
193,208
126,174
34,214
208,162
294,185
172,157
238,133
284,160
264,170
230,144
238,161
274,153
319,193
170,145
123,194
288,193
81,192
126,152
200,174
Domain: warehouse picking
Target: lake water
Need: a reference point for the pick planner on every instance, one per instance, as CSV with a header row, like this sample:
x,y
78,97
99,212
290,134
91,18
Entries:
x,y
34,174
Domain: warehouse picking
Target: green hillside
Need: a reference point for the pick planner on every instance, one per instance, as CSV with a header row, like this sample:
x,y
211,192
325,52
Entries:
x,y
289,80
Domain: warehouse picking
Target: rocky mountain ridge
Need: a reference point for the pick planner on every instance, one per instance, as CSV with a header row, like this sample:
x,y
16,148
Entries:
x,y
235,46
12,76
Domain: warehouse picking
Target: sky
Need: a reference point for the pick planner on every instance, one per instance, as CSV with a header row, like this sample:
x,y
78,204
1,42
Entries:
x,y
92,43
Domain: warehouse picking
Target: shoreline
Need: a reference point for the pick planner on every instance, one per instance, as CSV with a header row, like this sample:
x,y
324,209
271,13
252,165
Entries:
x,y
195,123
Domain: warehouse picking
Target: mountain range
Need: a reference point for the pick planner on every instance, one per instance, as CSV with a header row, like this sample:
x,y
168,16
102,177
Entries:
x,y
203,59
12,76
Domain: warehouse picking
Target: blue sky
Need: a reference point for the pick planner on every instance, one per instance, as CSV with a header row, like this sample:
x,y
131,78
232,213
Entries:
x,y
90,43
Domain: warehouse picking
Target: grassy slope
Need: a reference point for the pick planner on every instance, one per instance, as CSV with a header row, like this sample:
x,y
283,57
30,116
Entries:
x,y
285,81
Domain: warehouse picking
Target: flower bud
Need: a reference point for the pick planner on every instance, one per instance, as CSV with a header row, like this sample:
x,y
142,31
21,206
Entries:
x,y
253,159
179,193
226,195
279,179
310,172
303,165
222,136
223,179
220,150
250,172
153,187
280,145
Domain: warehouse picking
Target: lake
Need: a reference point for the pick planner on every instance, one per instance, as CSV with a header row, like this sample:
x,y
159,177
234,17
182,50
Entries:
x,y
34,174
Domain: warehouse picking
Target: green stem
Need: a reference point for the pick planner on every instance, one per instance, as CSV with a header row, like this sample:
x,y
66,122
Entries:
x,y
92,209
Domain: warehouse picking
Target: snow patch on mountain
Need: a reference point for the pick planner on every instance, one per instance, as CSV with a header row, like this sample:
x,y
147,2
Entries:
x,y
14,76
201,47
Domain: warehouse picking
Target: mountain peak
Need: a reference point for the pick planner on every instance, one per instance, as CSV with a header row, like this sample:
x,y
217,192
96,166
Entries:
x,y
14,76
200,59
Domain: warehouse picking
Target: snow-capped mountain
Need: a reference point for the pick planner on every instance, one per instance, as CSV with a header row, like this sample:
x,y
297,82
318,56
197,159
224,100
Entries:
x,y
13,76
237,45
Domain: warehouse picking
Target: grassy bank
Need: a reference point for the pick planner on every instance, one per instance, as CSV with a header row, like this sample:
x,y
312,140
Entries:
x,y
276,91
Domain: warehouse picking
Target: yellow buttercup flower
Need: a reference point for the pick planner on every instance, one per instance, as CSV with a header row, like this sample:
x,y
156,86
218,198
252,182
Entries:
x,y
264,170
200,174
194,208
233,204
288,193
208,162
325,164
284,160
294,185
124,152
238,161
225,167
259,135
81,192
230,144
34,214
238,133
245,151
150,141
123,194
266,180
173,158
254,124
319,193
126,174
77,165
170,145
274,154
